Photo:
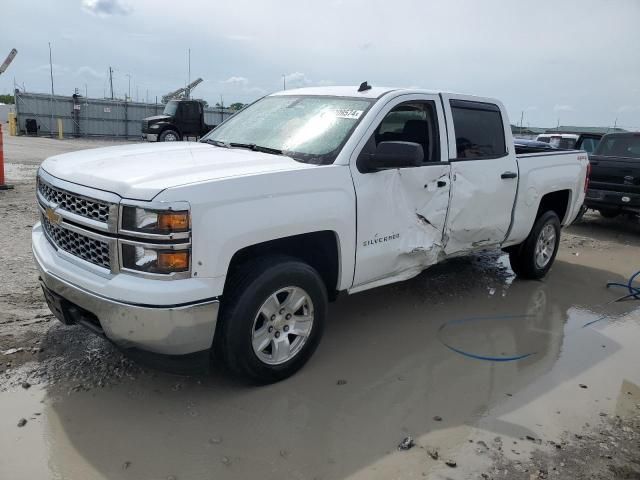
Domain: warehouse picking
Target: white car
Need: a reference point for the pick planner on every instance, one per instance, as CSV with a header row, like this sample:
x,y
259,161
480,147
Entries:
x,y
234,245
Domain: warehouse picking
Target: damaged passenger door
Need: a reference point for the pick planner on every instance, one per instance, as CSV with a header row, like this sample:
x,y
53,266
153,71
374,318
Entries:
x,y
484,174
401,202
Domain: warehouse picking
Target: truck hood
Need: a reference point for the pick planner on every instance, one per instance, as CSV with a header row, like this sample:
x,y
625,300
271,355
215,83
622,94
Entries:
x,y
141,171
157,118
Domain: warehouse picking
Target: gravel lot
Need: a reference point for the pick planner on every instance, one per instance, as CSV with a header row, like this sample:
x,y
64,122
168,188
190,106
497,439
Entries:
x,y
382,373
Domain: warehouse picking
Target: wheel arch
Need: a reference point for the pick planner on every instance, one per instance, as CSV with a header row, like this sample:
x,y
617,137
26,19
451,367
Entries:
x,y
320,249
169,126
557,201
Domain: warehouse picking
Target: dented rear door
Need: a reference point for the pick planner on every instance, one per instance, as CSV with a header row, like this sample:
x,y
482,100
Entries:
x,y
401,212
484,173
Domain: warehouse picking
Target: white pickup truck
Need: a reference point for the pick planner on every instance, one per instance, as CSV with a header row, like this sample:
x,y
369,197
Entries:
x,y
234,245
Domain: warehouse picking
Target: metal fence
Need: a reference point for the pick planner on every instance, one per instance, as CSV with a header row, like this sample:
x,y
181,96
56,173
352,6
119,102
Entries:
x,y
91,117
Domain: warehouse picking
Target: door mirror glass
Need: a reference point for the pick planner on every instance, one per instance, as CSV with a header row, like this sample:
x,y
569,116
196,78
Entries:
x,y
392,155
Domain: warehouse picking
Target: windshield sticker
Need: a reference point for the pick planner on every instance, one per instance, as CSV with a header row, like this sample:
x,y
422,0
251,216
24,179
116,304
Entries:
x,y
346,113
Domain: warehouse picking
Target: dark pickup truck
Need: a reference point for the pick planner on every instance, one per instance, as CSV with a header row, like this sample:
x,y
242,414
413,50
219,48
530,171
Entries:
x,y
180,119
615,175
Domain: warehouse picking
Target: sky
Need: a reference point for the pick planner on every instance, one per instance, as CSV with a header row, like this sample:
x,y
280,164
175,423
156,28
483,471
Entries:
x,y
572,62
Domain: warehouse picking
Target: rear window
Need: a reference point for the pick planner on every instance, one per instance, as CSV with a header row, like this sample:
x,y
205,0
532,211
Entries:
x,y
589,144
567,143
619,146
479,130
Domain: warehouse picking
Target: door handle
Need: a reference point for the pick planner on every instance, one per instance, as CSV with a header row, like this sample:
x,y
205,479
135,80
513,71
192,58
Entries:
x,y
509,175
441,183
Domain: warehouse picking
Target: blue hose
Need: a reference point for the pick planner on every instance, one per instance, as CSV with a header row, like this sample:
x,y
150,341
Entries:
x,y
477,356
634,292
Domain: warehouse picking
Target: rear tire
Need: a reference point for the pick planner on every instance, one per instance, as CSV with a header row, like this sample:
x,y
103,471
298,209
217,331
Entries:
x,y
260,336
533,258
169,136
609,212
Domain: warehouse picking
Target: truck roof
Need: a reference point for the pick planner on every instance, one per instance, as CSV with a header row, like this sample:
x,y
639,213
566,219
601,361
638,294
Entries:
x,y
350,91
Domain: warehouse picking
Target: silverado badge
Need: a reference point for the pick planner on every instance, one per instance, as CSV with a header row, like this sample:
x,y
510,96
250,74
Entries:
x,y
52,216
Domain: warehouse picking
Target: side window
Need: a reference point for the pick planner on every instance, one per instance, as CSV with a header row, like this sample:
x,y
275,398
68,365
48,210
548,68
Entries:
x,y
412,122
479,130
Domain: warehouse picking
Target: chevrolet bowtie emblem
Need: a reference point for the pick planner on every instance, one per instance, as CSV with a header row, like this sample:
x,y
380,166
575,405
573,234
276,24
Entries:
x,y
52,216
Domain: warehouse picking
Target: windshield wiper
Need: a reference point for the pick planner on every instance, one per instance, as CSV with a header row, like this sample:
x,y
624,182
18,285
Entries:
x,y
217,143
256,148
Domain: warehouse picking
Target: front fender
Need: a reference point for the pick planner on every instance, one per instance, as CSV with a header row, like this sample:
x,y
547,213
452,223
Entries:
x,y
231,214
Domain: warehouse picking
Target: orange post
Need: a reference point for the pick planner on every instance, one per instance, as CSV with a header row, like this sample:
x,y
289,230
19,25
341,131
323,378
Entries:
x,y
3,186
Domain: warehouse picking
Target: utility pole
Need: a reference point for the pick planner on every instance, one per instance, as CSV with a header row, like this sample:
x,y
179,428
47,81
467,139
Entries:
x,y
51,69
51,99
284,81
521,119
189,74
615,125
111,80
129,77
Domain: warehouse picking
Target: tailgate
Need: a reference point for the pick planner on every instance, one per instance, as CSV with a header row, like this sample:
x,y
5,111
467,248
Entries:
x,y
615,174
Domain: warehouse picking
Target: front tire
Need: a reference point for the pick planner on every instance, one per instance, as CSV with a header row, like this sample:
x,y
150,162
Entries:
x,y
533,258
272,318
169,136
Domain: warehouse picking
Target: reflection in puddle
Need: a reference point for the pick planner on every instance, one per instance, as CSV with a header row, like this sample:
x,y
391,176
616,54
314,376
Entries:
x,y
492,339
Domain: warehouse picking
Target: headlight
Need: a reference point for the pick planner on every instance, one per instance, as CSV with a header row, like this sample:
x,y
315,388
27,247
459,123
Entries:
x,y
161,222
155,259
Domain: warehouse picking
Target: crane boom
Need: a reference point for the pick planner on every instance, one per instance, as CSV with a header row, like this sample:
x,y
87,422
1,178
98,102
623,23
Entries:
x,y
8,60
181,93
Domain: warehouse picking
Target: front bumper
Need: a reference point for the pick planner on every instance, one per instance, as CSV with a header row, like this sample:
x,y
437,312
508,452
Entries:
x,y
613,200
150,137
176,329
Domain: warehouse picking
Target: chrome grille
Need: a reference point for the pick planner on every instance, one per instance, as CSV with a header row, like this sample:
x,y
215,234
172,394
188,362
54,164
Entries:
x,y
88,249
85,207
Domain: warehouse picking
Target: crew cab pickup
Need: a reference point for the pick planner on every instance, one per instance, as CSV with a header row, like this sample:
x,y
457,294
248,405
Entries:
x,y
615,175
234,245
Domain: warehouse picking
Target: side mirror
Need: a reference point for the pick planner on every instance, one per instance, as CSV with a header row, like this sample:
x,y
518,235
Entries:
x,y
392,155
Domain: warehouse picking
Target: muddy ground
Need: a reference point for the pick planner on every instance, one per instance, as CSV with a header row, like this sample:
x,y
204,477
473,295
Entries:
x,y
386,370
